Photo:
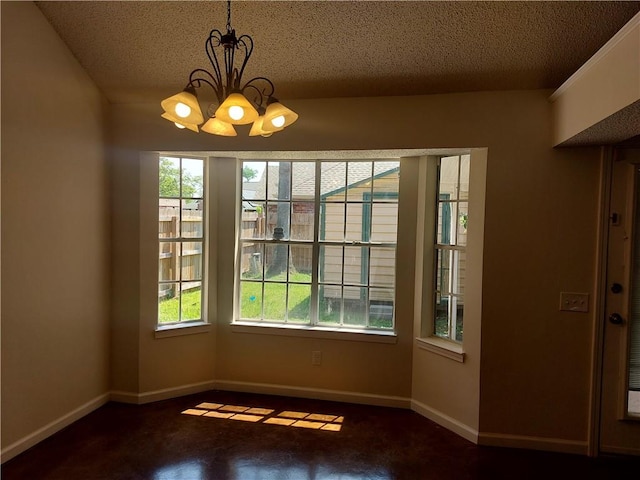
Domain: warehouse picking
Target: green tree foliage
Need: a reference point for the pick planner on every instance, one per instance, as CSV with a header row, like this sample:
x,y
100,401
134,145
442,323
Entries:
x,y
170,181
249,174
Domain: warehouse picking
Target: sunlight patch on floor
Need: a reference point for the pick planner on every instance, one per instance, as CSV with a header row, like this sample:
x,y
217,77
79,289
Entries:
x,y
287,418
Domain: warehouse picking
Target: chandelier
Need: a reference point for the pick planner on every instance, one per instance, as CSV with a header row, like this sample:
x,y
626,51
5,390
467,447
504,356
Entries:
x,y
236,103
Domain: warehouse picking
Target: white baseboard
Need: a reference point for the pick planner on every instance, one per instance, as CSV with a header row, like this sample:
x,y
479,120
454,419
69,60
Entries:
x,y
30,440
445,421
314,393
534,443
157,395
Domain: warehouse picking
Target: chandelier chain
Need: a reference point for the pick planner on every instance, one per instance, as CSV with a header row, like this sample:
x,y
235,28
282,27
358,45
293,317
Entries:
x,y
228,15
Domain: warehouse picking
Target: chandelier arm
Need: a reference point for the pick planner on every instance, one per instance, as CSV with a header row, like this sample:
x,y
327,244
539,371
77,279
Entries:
x,y
258,101
232,79
216,36
267,91
246,42
196,81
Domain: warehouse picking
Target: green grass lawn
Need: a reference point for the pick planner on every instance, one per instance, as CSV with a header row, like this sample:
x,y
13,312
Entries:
x,y
191,307
251,304
275,294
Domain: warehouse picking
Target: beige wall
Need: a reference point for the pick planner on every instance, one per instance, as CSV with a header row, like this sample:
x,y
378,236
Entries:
x,y
55,243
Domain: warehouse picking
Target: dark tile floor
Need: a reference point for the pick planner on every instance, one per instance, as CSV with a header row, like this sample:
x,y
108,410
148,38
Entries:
x,y
158,442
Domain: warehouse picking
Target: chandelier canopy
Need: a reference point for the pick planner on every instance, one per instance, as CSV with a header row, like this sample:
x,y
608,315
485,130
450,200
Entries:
x,y
236,103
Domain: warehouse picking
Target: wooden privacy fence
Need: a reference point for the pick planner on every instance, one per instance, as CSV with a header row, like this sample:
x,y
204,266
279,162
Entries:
x,y
255,225
176,263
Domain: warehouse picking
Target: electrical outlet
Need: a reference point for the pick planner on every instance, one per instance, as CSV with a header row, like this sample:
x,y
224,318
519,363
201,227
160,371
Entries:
x,y
574,302
316,358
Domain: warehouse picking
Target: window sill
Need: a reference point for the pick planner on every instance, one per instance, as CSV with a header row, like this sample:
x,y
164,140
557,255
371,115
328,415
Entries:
x,y
355,335
176,330
440,346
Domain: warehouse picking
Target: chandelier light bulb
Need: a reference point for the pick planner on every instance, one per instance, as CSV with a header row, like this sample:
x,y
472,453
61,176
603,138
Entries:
x,y
179,125
278,121
182,110
236,112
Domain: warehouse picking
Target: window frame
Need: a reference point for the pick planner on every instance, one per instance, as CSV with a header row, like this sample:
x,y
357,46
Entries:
x,y
448,243
426,227
188,326
315,325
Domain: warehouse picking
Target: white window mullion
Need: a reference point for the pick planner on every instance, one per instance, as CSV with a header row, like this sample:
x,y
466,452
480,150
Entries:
x,y
315,255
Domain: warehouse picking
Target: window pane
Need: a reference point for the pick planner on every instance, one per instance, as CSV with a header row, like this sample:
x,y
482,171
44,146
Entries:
x,y
356,224
384,222
359,179
191,261
449,177
383,267
169,177
253,178
279,187
447,221
253,221
302,220
441,323
460,264
250,300
276,262
251,263
191,301
458,318
333,176
169,261
381,308
443,273
330,264
192,218
355,306
192,178
168,302
275,301
300,263
332,221
278,220
303,180
386,184
356,265
329,304
463,219
299,309
465,163
168,218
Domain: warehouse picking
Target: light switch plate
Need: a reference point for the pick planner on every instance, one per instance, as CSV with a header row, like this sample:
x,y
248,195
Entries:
x,y
574,302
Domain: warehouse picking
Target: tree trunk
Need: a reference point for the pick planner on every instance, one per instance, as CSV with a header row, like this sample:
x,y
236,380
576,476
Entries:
x,y
279,263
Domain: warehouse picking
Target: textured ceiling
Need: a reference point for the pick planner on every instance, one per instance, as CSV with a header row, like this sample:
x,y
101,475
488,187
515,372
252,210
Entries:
x,y
144,51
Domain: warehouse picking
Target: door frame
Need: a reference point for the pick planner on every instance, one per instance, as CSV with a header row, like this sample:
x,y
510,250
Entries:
x,y
607,155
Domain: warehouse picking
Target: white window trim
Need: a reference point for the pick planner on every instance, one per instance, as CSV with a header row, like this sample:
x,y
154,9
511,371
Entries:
x,y
443,347
179,329
289,330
